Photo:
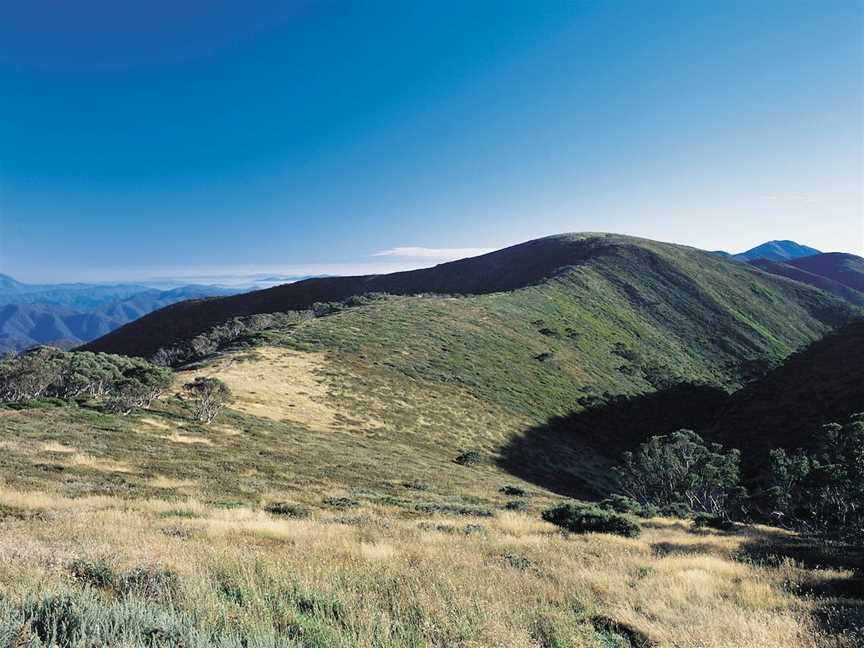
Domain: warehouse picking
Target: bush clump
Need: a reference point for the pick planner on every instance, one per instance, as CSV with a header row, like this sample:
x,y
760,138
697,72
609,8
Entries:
x,y
341,502
151,582
513,491
706,521
287,509
581,518
465,510
416,484
469,458
624,504
96,573
516,505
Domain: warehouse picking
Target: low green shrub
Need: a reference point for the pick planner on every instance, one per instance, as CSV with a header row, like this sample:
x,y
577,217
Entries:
x,y
706,521
582,518
96,573
416,484
468,529
469,458
513,491
341,502
678,510
624,504
151,582
287,509
516,505
453,509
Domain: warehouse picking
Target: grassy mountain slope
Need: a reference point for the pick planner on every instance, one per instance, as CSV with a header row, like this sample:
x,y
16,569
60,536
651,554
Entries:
x,y
694,284
823,383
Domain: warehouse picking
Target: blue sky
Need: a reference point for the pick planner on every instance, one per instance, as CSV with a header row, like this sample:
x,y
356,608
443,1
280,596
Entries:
x,y
143,139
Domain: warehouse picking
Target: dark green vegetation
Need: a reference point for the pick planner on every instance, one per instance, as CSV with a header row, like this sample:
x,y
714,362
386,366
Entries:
x,y
680,468
821,490
580,518
209,395
834,272
120,382
818,491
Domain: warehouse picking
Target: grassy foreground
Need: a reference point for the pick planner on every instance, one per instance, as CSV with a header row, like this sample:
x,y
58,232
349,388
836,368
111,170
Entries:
x,y
101,571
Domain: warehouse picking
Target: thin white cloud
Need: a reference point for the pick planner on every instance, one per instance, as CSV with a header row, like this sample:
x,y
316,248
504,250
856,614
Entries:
x,y
443,254
791,198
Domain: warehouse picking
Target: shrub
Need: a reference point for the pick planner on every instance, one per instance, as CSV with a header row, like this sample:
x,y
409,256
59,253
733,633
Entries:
x,y
454,509
149,582
679,467
287,509
209,395
474,529
676,509
122,382
341,502
469,458
468,529
96,573
580,518
516,505
624,504
416,484
706,521
513,491
821,490
518,561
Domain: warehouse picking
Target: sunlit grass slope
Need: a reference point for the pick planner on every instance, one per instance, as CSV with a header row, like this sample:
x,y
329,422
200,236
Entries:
x,y
100,571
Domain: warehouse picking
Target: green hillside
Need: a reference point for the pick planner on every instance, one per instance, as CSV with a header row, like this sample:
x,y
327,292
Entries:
x,y
417,379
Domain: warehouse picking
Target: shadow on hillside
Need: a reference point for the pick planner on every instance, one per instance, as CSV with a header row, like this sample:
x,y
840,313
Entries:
x,y
812,553
571,455
837,600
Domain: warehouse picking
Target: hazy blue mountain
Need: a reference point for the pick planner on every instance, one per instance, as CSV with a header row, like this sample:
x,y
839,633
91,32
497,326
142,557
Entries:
x,y
67,315
74,295
777,251
838,273
841,267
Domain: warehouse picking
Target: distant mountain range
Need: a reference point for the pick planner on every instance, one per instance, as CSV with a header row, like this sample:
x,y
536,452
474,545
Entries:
x,y
838,273
835,272
67,315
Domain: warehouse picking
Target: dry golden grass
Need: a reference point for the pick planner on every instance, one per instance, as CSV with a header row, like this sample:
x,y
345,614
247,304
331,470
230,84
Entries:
x,y
275,383
81,460
519,583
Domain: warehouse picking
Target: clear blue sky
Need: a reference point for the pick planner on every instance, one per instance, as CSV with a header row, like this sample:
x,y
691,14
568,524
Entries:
x,y
155,137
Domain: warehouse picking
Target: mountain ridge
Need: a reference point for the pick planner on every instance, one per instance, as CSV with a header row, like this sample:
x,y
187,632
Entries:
x,y
509,269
